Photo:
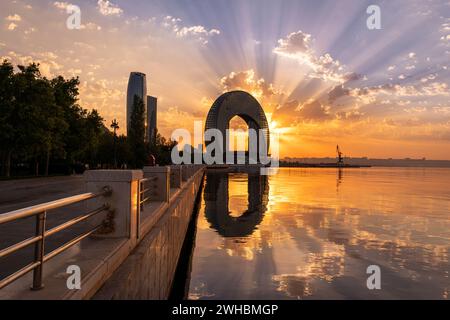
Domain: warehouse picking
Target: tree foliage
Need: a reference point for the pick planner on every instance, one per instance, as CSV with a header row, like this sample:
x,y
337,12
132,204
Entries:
x,y
44,129
136,134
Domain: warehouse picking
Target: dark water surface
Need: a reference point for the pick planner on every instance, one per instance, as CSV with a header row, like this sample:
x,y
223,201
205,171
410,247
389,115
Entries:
x,y
312,233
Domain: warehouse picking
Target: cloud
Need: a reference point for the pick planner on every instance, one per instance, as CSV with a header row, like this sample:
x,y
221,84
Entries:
x,y
293,113
175,117
389,94
445,30
198,32
103,95
12,26
445,27
298,46
295,44
30,30
314,110
14,17
352,115
90,26
107,8
49,67
429,77
247,81
368,95
337,92
85,26
61,5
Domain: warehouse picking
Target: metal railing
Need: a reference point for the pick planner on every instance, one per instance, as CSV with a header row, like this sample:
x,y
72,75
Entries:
x,y
40,211
142,198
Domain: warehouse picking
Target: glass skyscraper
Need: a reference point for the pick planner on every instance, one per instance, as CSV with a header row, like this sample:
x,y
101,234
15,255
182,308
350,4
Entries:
x,y
137,85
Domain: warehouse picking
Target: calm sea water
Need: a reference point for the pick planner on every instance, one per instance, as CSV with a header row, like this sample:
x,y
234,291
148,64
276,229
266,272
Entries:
x,y
312,233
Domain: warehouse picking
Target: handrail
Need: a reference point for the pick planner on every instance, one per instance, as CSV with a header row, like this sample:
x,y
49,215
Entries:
x,y
23,244
148,179
33,210
40,211
18,274
142,199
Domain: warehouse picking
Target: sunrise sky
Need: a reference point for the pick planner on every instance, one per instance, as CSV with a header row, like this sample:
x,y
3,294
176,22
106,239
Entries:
x,y
320,74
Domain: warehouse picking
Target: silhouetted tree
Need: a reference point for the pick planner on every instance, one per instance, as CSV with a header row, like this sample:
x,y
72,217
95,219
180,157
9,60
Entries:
x,y
162,149
41,122
38,119
115,127
136,134
8,133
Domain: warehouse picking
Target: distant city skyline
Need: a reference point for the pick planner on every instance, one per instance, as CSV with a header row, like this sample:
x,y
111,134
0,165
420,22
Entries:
x,y
322,77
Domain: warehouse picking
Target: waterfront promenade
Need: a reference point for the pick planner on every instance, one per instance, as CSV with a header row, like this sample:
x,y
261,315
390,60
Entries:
x,y
120,222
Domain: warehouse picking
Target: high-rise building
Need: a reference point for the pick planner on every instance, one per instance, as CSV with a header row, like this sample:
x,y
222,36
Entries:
x,y
152,120
137,86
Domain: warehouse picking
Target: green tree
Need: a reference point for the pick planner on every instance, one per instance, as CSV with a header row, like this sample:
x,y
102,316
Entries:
x,y
38,118
162,150
7,111
66,96
85,128
94,129
41,122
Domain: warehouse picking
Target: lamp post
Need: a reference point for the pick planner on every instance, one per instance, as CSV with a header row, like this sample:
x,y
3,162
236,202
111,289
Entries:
x,y
115,127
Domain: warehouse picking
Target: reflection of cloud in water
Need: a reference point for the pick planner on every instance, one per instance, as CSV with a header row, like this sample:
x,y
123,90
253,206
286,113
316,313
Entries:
x,y
200,292
317,235
326,265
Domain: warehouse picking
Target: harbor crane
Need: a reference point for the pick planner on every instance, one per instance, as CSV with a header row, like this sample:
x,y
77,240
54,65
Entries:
x,y
340,156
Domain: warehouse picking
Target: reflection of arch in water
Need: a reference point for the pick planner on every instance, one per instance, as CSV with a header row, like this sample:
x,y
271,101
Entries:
x,y
216,205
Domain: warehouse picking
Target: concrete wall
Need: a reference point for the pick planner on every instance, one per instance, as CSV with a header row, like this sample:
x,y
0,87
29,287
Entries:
x,y
148,272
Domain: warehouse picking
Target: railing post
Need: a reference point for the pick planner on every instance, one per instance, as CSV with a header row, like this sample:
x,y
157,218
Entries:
x,y
185,172
39,251
122,216
176,178
159,189
138,210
